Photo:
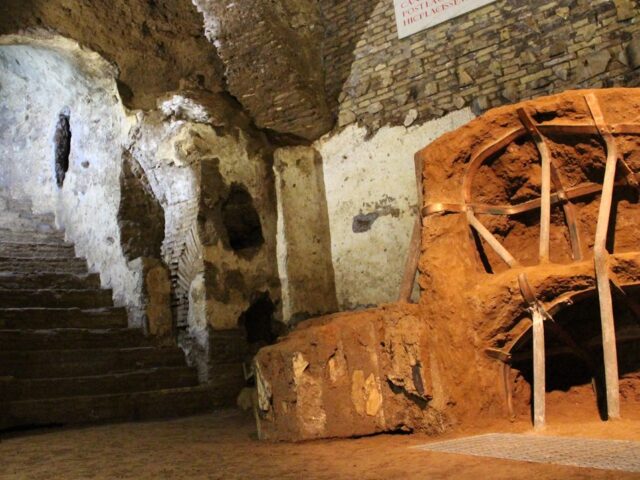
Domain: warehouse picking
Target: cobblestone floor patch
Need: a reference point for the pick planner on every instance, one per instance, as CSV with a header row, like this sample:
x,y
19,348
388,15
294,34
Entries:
x,y
577,452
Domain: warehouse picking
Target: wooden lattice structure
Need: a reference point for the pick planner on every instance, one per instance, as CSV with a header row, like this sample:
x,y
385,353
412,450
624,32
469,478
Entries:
x,y
553,192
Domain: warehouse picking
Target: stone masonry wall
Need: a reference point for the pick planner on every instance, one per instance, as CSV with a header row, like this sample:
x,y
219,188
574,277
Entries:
x,y
501,53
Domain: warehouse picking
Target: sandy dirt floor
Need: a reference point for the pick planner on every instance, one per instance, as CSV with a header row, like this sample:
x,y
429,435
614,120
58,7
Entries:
x,y
223,445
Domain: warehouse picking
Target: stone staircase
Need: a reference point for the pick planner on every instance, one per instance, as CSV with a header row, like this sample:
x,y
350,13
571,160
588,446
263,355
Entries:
x,y
66,354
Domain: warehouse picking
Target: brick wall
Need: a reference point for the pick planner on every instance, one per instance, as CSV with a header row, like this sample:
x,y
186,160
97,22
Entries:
x,y
501,53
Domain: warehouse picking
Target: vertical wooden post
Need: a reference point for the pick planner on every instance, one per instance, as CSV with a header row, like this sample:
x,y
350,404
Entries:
x,y
545,188
413,254
601,261
539,378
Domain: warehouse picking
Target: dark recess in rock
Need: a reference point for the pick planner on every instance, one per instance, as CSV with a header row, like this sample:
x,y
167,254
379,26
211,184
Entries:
x,y
257,320
241,219
364,221
62,142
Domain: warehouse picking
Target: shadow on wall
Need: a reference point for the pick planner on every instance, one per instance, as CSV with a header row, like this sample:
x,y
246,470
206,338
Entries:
x,y
140,215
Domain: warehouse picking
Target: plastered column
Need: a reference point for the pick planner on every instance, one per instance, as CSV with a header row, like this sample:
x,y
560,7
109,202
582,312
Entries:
x,y
304,242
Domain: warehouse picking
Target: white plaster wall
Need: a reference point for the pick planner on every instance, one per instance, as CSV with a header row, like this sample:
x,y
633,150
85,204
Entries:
x,y
374,175
39,75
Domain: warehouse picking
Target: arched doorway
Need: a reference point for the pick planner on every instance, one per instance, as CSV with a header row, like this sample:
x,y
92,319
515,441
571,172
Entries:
x,y
575,386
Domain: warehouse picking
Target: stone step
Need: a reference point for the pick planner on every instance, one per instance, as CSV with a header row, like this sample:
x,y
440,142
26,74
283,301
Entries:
x,y
116,407
36,250
228,346
85,298
12,389
11,221
9,280
83,362
15,236
39,265
46,318
28,215
11,204
71,339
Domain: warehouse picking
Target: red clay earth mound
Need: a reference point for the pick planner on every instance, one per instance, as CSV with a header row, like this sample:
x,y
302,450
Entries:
x,y
464,354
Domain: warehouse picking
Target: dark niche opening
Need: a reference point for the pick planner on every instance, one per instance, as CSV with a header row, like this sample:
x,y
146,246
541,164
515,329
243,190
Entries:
x,y
258,320
575,373
241,219
62,146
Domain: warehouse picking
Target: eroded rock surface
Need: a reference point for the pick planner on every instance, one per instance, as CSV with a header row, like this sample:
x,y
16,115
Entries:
x,y
156,45
348,374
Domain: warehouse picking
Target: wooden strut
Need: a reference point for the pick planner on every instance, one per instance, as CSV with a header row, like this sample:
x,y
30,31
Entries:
x,y
545,189
539,381
578,191
601,260
508,389
505,369
490,238
550,172
413,254
631,303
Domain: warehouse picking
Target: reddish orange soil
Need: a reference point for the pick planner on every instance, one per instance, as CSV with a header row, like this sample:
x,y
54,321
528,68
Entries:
x,y
223,446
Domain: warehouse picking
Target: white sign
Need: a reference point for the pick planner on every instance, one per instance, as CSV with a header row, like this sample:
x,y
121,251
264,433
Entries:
x,y
415,15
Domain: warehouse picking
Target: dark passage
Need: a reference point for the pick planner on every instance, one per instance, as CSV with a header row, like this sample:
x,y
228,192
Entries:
x,y
241,219
62,142
257,320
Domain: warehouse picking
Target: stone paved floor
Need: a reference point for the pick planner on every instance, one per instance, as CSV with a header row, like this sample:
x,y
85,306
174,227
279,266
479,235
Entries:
x,y
620,455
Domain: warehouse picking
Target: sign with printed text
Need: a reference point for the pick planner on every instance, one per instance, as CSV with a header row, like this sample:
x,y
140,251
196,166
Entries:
x,y
415,15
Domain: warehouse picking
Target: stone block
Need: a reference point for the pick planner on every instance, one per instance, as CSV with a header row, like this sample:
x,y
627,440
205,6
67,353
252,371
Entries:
x,y
363,373
633,52
592,65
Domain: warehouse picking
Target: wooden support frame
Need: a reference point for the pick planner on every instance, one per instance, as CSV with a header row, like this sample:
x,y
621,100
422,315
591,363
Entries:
x,y
572,193
551,177
539,378
550,171
413,254
601,261
631,303
539,375
490,238
508,389
545,189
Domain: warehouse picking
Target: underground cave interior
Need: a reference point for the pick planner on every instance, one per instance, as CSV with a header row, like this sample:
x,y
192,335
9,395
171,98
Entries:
x,y
197,203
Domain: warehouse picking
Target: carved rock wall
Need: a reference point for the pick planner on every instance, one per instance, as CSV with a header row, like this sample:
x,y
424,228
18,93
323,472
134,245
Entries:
x,y
156,45
43,75
304,236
